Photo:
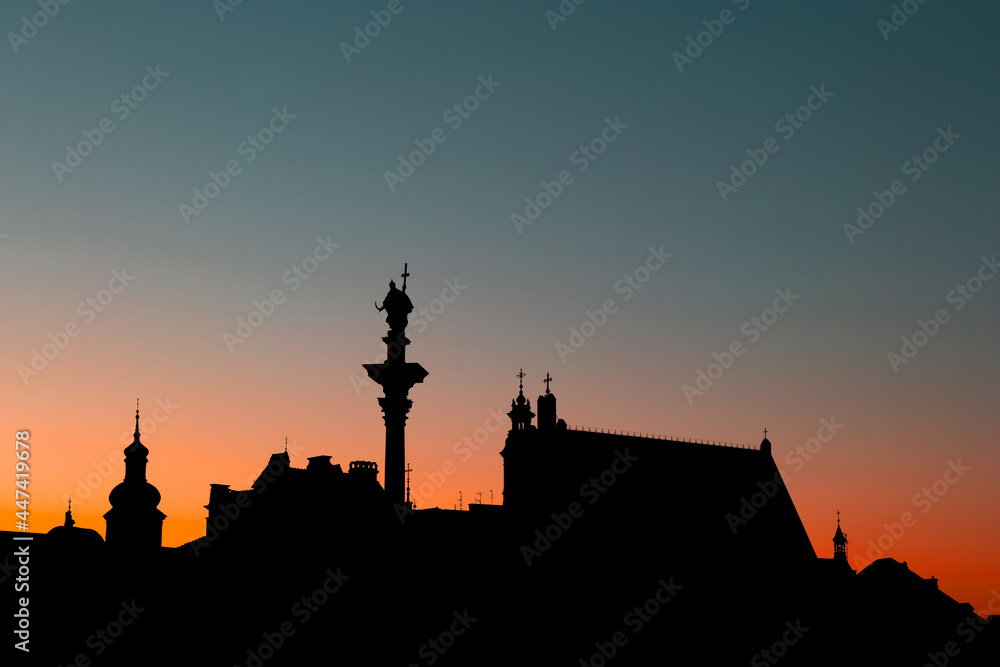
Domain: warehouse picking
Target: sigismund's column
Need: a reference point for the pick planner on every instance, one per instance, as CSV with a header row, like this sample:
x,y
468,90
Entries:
x,y
396,376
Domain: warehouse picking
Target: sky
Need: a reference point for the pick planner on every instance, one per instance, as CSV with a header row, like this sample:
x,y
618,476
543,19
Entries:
x,y
702,218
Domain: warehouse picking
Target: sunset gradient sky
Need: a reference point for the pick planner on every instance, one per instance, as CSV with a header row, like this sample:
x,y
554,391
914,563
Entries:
x,y
214,411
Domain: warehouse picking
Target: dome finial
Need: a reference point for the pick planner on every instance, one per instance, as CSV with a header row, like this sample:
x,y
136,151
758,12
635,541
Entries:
x,y
69,515
137,418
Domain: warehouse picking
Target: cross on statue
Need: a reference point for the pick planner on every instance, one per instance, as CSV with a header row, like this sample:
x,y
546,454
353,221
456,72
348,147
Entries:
x,y
404,275
547,380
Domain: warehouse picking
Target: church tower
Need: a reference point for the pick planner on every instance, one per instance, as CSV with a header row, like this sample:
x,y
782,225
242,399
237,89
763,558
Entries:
x,y
134,523
547,408
839,544
520,408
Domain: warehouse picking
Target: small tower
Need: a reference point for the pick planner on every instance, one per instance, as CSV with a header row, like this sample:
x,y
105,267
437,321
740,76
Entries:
x,y
69,515
520,409
547,408
134,523
765,444
83,543
839,544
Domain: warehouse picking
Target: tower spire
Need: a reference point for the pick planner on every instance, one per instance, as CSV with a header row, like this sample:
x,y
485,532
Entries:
x,y
839,543
520,408
133,522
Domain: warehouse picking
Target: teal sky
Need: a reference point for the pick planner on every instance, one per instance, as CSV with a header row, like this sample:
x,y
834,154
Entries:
x,y
323,176
656,185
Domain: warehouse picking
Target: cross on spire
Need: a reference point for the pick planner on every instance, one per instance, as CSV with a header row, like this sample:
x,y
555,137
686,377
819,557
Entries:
x,y
408,470
547,380
520,377
404,275
838,517
765,431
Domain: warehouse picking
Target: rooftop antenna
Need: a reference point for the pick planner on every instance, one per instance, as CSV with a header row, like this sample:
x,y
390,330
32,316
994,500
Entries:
x,y
480,494
491,496
459,501
408,471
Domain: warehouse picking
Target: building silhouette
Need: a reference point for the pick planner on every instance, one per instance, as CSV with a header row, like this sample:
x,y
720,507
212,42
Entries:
x,y
608,548
134,524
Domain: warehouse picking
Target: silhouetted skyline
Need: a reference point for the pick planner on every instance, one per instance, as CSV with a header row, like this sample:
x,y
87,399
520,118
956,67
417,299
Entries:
x,y
701,220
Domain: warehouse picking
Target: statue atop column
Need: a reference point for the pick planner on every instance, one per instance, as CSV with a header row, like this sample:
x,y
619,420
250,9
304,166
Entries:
x,y
397,306
396,376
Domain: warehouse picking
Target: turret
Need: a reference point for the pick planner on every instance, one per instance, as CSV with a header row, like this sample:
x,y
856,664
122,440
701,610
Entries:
x,y
520,409
547,408
134,523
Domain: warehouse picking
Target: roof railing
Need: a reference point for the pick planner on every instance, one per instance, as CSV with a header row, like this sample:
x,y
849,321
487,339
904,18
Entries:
x,y
653,436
